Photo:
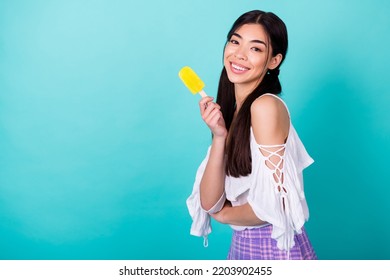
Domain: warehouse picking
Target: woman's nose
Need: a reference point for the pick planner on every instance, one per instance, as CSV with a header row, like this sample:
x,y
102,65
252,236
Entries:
x,y
240,54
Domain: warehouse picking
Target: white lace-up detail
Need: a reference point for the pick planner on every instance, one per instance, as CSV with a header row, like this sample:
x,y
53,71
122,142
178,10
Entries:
x,y
274,160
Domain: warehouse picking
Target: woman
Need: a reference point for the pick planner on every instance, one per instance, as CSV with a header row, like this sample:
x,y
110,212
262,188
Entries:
x,y
251,177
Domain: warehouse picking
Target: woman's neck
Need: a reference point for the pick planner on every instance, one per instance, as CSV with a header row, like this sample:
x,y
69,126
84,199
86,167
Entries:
x,y
241,93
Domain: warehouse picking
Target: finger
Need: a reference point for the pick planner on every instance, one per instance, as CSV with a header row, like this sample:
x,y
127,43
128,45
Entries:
x,y
210,107
205,100
213,118
203,103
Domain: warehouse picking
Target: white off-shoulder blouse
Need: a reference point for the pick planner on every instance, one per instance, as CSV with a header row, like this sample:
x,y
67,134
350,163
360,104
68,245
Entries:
x,y
274,191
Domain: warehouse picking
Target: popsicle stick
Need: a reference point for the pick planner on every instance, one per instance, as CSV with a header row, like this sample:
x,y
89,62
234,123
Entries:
x,y
202,93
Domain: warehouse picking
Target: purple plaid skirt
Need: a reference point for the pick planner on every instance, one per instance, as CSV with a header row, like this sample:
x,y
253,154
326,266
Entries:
x,y
257,244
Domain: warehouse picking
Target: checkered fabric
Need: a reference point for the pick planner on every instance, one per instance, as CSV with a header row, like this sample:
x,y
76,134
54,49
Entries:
x,y
257,244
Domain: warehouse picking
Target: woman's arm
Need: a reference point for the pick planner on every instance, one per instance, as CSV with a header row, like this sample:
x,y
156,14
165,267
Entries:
x,y
212,184
270,124
270,121
242,215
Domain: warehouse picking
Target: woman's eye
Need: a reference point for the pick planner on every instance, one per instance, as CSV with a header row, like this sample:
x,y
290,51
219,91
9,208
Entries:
x,y
256,49
235,42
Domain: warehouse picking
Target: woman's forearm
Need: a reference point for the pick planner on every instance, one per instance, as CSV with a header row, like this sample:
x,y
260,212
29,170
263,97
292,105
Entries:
x,y
242,215
213,181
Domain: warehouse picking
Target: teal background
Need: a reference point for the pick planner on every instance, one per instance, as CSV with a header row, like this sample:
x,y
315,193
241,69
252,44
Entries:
x,y
100,140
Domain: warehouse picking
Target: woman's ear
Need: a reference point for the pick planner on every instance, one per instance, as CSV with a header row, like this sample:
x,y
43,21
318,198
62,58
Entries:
x,y
275,61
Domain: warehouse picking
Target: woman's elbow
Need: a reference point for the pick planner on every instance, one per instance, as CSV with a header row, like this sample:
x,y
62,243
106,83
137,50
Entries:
x,y
207,206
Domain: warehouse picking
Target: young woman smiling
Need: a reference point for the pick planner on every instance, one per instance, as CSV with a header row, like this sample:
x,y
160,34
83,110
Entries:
x,y
251,177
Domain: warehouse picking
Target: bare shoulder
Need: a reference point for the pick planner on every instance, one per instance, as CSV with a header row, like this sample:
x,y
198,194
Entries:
x,y
268,106
270,120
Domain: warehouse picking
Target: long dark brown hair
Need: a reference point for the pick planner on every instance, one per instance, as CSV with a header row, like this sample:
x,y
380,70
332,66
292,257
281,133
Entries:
x,y
239,162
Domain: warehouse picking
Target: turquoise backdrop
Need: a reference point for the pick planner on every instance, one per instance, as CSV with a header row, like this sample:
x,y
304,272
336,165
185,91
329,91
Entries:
x,y
100,140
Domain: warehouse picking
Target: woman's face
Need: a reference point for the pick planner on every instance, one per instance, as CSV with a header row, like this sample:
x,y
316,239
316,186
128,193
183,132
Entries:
x,y
247,55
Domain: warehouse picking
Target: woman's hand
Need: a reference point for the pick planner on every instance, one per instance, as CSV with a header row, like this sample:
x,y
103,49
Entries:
x,y
212,116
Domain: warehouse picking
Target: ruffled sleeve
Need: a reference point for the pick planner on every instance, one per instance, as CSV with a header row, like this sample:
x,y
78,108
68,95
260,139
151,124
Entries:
x,y
201,224
277,195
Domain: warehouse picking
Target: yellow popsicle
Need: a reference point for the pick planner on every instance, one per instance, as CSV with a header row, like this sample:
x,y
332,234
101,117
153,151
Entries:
x,y
192,81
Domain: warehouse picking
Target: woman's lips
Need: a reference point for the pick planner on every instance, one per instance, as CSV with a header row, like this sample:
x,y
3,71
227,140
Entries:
x,y
237,68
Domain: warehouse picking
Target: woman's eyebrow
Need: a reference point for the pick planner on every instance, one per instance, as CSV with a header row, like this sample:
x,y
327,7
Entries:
x,y
253,41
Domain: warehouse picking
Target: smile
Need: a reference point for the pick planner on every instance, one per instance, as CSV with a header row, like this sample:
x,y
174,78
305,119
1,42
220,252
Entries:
x,y
238,68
